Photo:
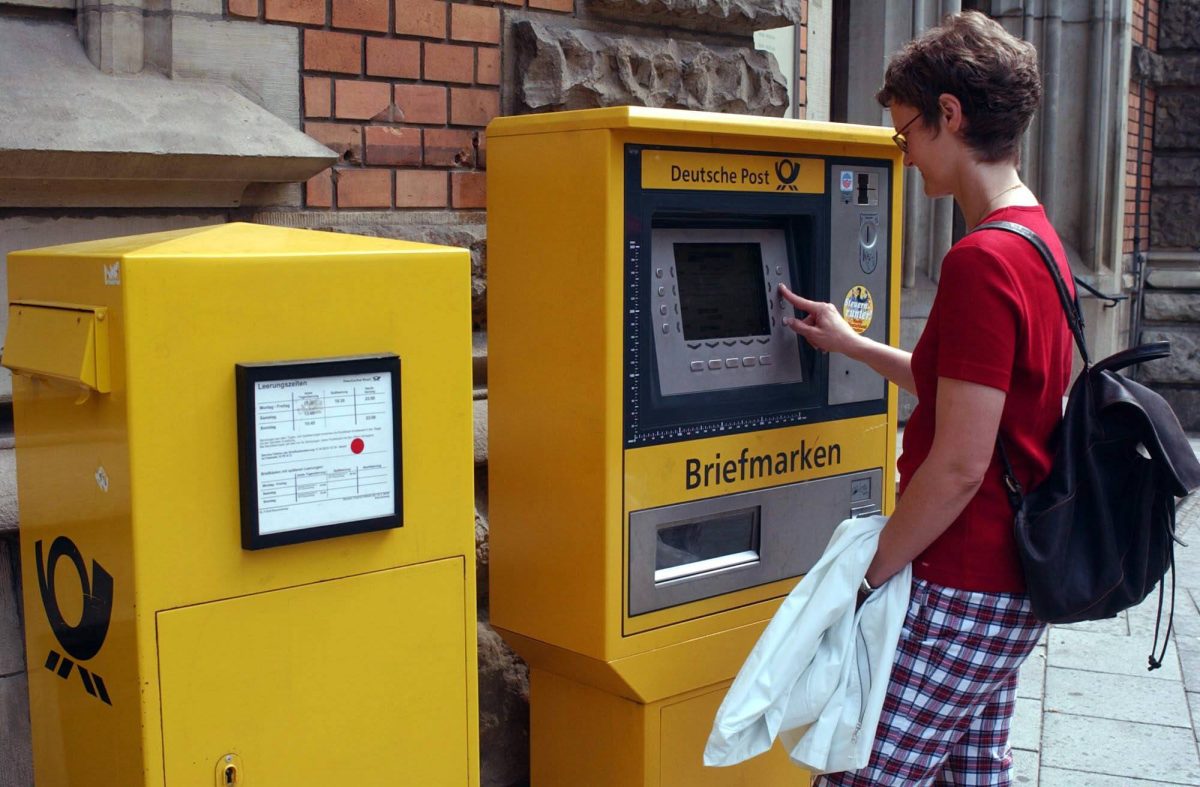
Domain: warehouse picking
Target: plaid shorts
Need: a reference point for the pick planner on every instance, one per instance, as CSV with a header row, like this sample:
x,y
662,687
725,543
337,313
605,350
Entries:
x,y
952,691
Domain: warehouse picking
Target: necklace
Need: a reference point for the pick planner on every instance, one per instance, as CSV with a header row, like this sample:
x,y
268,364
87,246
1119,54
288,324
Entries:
x,y
1000,194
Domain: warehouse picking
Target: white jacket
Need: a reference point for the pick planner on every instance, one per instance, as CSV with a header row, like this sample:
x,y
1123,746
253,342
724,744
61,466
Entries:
x,y
818,675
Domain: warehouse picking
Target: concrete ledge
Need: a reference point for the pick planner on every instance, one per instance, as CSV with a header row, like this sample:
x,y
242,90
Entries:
x,y
130,141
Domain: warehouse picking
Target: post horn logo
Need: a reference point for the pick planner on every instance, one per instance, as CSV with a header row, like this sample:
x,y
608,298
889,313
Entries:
x,y
787,171
83,640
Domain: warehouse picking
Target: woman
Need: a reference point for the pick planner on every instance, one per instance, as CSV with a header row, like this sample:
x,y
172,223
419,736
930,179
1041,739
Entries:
x,y
995,358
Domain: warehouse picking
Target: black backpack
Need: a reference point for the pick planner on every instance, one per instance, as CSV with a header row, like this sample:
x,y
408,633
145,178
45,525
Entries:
x,y
1098,533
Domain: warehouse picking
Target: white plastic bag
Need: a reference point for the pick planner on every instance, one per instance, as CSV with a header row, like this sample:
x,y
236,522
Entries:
x,y
818,675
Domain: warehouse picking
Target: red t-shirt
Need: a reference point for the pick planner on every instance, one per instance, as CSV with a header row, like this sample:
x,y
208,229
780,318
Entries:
x,y
996,320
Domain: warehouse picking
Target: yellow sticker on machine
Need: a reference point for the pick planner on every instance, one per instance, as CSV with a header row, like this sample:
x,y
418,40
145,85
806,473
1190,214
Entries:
x,y
676,169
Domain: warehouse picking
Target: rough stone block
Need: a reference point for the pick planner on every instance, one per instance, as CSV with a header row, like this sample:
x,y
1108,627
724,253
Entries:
x,y
1186,404
1179,25
1181,70
16,754
559,67
1173,221
1177,121
723,16
1181,171
503,711
1172,306
258,61
1182,365
12,635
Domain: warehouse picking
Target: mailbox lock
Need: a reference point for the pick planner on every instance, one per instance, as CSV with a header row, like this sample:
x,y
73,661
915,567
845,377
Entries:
x,y
230,772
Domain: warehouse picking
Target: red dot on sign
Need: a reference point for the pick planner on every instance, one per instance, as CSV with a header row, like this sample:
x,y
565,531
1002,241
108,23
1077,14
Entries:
x,y
357,445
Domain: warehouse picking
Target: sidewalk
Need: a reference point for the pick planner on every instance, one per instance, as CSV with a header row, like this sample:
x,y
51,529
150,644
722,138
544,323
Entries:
x,y
1089,714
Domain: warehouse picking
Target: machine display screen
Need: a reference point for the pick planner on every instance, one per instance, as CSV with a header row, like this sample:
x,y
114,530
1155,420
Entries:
x,y
721,290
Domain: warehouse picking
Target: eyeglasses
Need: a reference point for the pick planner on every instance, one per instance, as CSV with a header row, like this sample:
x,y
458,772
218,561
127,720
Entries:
x,y
899,138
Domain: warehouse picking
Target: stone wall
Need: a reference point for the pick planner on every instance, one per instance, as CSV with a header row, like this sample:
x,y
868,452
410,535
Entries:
x,y
1171,302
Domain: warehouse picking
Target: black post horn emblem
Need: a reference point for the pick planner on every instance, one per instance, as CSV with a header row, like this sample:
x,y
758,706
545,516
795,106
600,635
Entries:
x,y
83,640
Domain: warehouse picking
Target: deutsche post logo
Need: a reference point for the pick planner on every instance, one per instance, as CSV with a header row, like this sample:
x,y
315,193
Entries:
x,y
83,640
787,171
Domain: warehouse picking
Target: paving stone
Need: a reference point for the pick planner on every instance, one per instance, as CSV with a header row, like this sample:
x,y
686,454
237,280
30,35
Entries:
x,y
1189,661
1118,748
1193,700
1120,697
1025,768
1117,626
1032,678
1083,650
1058,777
1026,730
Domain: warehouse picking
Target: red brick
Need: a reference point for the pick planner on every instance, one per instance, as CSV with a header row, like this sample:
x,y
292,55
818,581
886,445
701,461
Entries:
x,y
421,103
357,100
361,14
468,190
517,3
318,192
244,8
317,97
395,146
421,18
481,152
553,5
445,147
487,66
364,188
324,51
416,188
478,23
449,63
390,58
470,107
345,140
305,12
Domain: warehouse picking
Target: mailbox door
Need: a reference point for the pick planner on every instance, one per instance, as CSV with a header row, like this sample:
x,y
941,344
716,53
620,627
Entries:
x,y
360,681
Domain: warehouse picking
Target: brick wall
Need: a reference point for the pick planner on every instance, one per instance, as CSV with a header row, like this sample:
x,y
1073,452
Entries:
x,y
1140,141
401,90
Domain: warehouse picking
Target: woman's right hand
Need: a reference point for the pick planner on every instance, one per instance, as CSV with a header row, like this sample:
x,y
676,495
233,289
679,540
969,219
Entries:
x,y
824,327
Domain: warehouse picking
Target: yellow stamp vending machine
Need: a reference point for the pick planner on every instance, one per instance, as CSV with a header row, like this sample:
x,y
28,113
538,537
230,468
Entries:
x,y
245,476
666,458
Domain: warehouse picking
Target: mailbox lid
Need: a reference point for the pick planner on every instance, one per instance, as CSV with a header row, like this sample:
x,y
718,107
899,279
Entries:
x,y
61,341
361,680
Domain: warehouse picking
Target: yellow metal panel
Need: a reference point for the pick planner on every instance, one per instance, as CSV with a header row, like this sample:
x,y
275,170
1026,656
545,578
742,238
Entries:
x,y
692,126
323,684
554,429
64,342
685,729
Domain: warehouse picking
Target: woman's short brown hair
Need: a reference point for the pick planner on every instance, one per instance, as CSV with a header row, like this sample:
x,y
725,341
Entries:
x,y
993,74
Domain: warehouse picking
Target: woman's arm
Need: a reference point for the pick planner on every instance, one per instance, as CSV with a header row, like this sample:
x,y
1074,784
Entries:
x,y
964,439
825,329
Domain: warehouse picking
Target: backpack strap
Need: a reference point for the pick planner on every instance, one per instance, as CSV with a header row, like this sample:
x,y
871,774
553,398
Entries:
x,y
1070,305
1012,486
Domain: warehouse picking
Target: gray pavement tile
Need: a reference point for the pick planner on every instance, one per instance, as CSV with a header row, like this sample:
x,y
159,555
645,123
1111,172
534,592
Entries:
x,y
1032,678
1026,730
1107,653
1025,768
1188,648
1193,700
1058,777
1119,748
1142,618
1120,697
1117,626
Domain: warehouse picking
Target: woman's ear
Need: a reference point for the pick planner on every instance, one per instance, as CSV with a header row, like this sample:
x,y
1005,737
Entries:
x,y
951,111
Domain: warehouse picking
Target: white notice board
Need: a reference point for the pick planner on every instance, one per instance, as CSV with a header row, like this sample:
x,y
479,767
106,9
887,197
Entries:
x,y
319,448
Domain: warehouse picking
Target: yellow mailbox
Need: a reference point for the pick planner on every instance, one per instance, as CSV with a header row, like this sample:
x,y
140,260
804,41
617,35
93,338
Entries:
x,y
244,469
665,457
